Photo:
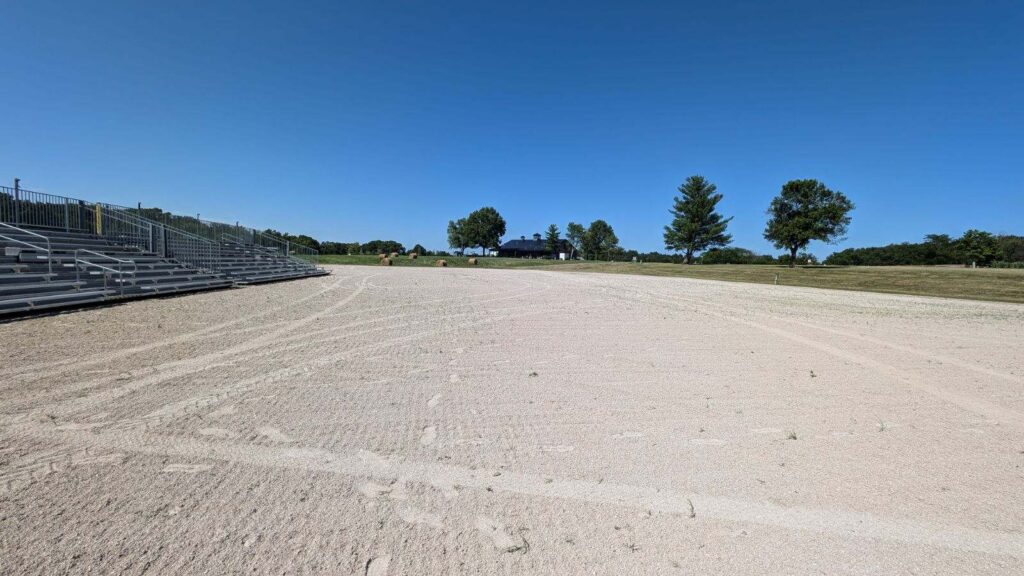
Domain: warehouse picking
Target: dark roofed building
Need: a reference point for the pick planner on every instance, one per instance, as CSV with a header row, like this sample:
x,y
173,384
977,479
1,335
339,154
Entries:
x,y
532,248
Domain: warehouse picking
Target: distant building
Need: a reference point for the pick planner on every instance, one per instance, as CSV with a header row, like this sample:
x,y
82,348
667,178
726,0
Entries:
x,y
535,248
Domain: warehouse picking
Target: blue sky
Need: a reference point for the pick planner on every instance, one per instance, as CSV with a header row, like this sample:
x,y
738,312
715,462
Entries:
x,y
352,121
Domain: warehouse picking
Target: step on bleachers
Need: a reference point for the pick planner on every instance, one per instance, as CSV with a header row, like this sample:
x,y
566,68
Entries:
x,y
45,268
250,264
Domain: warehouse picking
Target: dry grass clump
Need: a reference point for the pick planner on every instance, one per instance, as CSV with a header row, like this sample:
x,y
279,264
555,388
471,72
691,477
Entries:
x,y
472,261
442,263
385,261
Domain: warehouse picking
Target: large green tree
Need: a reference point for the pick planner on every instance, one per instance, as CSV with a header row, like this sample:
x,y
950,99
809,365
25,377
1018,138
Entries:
x,y
574,233
551,240
806,210
599,241
696,226
484,228
383,247
457,237
978,247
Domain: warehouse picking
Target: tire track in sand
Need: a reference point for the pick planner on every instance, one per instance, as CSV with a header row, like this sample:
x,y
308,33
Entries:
x,y
189,365
964,401
181,408
443,476
39,370
273,341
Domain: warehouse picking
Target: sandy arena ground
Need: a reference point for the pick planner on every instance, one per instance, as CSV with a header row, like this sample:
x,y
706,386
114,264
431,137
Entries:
x,y
441,421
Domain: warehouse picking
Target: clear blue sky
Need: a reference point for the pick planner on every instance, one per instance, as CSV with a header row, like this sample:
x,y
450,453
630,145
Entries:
x,y
352,121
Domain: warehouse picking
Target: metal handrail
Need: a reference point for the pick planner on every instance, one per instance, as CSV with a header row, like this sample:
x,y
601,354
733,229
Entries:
x,y
145,229
132,226
288,246
289,242
275,251
49,252
120,272
202,253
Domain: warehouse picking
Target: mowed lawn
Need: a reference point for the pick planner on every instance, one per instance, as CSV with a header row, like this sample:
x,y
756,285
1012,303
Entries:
x,y
1002,285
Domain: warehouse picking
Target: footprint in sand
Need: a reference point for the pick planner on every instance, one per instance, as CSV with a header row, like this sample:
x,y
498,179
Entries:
x,y
416,516
394,491
378,566
273,434
428,436
217,432
495,532
433,400
187,468
373,490
449,492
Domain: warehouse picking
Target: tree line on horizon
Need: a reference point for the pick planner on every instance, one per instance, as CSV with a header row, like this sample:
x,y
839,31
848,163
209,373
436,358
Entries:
x,y
805,210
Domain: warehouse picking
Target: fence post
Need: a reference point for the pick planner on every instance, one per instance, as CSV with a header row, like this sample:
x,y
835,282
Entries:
x,y
67,216
17,200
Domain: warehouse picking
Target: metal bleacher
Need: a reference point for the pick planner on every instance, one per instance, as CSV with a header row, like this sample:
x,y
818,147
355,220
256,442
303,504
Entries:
x,y
58,252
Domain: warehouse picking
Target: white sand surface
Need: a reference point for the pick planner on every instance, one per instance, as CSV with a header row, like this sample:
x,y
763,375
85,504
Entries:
x,y
452,421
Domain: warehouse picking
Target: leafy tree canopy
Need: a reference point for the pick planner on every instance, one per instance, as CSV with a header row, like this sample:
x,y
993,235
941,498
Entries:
x,y
978,247
600,241
484,228
574,234
806,210
457,236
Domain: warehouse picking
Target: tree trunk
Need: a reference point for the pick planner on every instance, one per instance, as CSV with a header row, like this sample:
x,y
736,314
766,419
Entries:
x,y
792,256
689,256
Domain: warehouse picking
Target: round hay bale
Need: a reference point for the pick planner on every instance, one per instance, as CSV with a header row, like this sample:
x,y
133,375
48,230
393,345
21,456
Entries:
x,y
442,263
413,256
385,261
394,254
381,256
472,261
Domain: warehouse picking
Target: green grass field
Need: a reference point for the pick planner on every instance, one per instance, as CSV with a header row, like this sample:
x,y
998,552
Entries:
x,y
1002,285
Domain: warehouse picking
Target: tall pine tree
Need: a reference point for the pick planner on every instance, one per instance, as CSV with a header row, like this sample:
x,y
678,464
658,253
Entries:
x,y
695,224
551,240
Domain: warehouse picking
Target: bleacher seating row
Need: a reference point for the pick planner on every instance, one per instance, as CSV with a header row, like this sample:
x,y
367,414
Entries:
x,y
43,268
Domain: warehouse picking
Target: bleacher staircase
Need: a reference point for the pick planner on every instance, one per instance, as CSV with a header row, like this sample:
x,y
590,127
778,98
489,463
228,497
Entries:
x,y
42,269
60,251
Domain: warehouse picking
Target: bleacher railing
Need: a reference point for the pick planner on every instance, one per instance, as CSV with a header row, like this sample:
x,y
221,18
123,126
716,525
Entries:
x,y
27,208
297,253
188,239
